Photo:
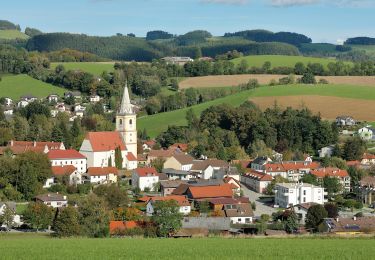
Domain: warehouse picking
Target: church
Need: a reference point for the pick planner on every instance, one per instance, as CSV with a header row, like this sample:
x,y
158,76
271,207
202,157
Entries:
x,y
99,147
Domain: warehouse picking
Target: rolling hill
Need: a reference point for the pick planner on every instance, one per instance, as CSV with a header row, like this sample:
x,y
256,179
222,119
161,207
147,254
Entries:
x,y
12,35
95,68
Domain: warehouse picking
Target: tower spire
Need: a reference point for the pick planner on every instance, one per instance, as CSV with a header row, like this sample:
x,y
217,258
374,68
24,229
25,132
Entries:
x,y
126,107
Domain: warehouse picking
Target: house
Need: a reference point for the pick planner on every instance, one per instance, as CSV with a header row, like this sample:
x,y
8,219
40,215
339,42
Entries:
x,y
53,98
227,172
22,103
94,98
180,146
142,159
217,204
205,168
8,111
366,133
182,201
8,101
326,151
59,172
60,107
209,192
18,147
342,175
29,98
145,178
348,226
290,194
179,161
167,187
148,144
54,200
239,213
368,159
75,94
177,60
102,175
68,157
292,170
256,181
259,163
159,154
345,121
12,206
366,190
301,211
173,174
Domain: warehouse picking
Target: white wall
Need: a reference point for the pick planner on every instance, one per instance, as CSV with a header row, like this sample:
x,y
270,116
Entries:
x,y
80,164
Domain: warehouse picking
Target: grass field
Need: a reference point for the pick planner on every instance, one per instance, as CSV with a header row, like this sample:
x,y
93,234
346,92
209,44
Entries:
x,y
370,49
159,122
281,60
39,247
14,86
12,34
95,68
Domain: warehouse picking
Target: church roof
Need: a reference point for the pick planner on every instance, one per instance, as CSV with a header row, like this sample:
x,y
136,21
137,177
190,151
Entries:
x,y
126,107
105,141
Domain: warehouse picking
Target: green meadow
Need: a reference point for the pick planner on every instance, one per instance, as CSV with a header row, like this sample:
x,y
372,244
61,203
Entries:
x,y
15,86
95,68
43,247
12,34
281,60
157,123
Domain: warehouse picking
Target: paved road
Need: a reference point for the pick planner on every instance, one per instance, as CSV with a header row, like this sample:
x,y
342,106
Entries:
x,y
261,208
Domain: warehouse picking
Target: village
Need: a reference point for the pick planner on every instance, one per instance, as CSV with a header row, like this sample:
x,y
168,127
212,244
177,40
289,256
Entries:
x,y
265,195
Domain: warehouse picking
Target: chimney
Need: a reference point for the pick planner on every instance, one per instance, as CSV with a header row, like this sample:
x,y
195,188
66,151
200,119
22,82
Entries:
x,y
354,218
337,219
34,143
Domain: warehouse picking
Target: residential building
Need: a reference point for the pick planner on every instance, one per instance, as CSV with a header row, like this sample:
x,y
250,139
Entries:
x,y
102,175
368,159
256,181
18,147
342,175
94,98
12,206
22,103
148,144
292,170
8,101
54,200
53,98
240,213
366,190
179,161
75,94
145,178
59,172
326,151
290,194
173,174
345,121
180,146
259,163
167,187
68,157
224,172
8,111
348,226
162,154
29,98
182,201
205,168
209,192
177,60
301,211
118,227
366,133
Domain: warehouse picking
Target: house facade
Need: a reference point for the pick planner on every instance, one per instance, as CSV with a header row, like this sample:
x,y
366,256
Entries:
x,y
342,175
102,175
179,161
182,201
145,178
290,194
60,172
54,200
256,181
68,157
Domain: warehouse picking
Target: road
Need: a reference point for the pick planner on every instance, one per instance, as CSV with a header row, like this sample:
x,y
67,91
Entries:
x,y
261,208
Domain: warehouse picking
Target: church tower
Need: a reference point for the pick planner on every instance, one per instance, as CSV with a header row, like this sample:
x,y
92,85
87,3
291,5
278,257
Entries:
x,y
126,123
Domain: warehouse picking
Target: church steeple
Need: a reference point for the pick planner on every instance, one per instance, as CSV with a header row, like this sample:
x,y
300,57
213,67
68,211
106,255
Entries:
x,y
126,107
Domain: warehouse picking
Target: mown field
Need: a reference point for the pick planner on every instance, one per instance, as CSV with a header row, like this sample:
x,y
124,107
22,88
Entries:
x,y
12,34
159,122
37,247
95,68
281,60
14,86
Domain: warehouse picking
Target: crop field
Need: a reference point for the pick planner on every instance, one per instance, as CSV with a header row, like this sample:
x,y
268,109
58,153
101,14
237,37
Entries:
x,y
281,60
14,86
370,49
12,34
263,79
39,247
95,68
155,124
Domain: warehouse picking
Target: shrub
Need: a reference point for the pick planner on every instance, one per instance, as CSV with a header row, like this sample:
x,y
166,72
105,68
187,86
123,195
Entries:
x,y
323,81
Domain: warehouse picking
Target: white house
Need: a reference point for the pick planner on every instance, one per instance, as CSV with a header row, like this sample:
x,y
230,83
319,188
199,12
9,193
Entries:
x,y
8,101
290,194
182,201
12,206
29,98
59,172
68,157
205,168
301,211
259,163
173,174
53,98
366,133
326,151
8,111
22,103
256,181
368,159
60,107
94,98
239,213
145,178
102,175
345,121
54,200
179,161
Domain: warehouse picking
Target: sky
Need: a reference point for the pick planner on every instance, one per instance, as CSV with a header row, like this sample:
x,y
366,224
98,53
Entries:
x,y
322,20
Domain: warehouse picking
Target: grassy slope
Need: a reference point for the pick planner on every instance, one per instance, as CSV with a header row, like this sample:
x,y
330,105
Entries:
x,y
14,86
370,49
38,247
280,60
159,122
12,34
95,68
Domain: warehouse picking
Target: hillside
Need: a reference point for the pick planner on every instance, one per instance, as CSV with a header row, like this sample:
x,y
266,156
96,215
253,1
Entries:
x,y
177,117
12,35
95,68
281,60
14,86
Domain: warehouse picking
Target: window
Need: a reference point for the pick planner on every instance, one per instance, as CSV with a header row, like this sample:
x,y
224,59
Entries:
x,y
120,121
304,199
304,192
247,220
130,121
239,220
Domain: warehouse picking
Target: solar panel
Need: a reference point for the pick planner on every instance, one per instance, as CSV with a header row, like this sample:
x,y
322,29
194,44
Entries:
x,y
352,227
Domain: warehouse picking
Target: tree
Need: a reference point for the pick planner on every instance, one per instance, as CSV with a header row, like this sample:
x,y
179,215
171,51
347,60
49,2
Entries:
x,y
93,216
259,148
308,78
354,149
309,178
118,158
203,206
167,217
66,223
158,164
8,217
38,215
332,210
299,68
290,222
315,215
331,185
113,194
174,84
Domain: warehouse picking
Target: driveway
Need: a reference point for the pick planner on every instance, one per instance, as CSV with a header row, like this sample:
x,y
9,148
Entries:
x,y
261,208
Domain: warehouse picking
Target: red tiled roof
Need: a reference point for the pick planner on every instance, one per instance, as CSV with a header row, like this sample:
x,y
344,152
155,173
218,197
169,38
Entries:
x,y
228,179
331,172
225,201
183,147
353,163
122,225
131,157
100,171
161,153
65,154
181,200
288,166
150,143
105,141
200,192
259,176
146,172
50,145
368,156
63,170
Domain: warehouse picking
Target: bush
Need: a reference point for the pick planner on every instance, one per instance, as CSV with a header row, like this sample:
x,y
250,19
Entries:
x,y
308,78
323,81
